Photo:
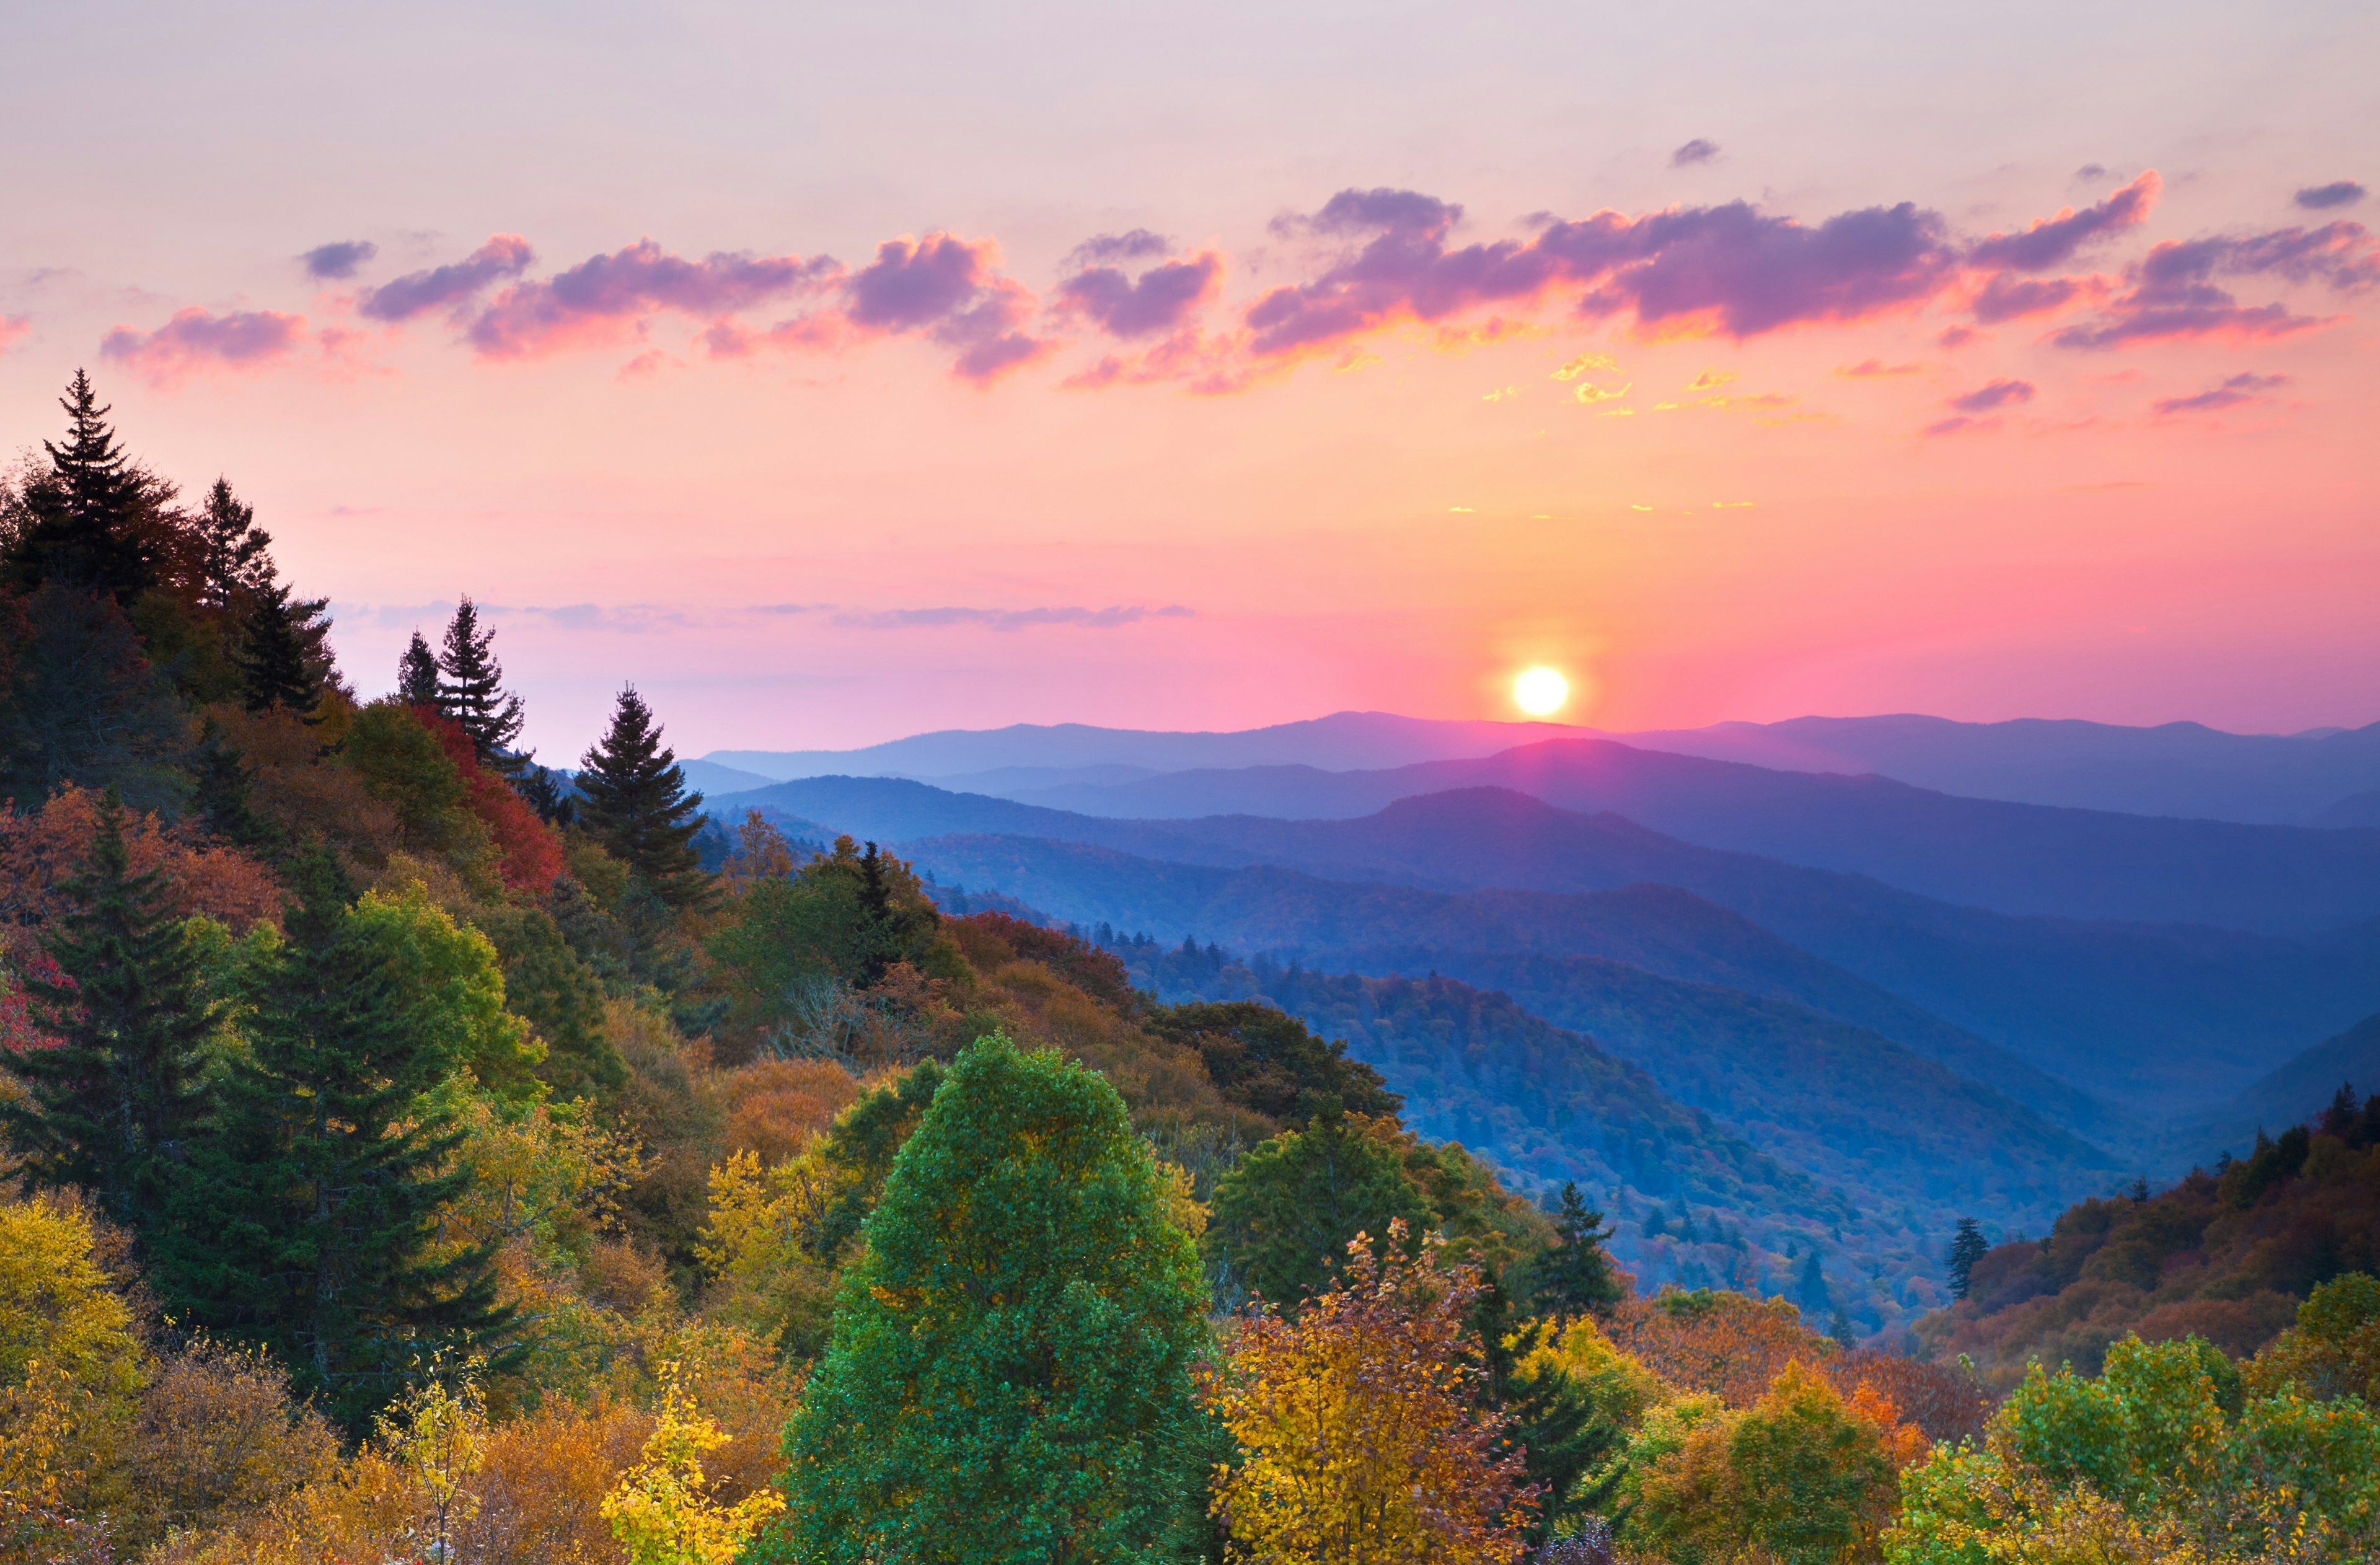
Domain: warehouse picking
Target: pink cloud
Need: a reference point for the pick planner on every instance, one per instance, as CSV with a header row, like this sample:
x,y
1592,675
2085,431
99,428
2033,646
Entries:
x,y
11,328
1996,393
608,296
2006,298
197,339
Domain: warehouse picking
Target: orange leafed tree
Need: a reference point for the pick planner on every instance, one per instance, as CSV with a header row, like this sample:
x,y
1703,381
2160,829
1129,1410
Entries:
x,y
1360,1441
39,850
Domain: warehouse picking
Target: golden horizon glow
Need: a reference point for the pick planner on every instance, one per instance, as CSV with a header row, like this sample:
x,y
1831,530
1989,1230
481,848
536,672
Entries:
x,y
1540,691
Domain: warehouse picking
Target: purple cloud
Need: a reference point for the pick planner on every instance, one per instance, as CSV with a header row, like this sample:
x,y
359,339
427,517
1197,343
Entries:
x,y
2008,299
2052,241
2338,193
1694,152
1997,394
1108,249
2231,394
2173,293
338,258
1751,272
1160,300
1010,619
505,255
599,295
1952,426
947,289
197,339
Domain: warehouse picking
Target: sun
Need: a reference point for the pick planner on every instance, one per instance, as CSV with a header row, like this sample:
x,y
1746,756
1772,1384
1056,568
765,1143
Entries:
x,y
1540,691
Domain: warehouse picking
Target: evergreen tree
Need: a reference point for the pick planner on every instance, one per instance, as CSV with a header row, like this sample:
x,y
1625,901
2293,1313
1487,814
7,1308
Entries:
x,y
222,796
305,1222
233,546
470,691
634,799
1562,1434
549,793
416,675
82,705
1008,1379
80,526
1967,1247
108,1107
1810,1290
1575,1276
274,666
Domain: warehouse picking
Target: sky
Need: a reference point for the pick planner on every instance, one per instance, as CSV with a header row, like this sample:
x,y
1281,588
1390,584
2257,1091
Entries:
x,y
834,374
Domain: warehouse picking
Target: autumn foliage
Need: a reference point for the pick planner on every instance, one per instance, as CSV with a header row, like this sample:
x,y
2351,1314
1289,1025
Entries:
x,y
1361,1441
528,856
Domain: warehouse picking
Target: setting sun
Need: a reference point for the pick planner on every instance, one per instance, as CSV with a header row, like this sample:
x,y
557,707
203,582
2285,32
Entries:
x,y
1540,692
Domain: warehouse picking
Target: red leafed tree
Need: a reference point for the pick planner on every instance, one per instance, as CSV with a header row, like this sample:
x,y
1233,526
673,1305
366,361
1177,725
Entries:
x,y
529,853
40,849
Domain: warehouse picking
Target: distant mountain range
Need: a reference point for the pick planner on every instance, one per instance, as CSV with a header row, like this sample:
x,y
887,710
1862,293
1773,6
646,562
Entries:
x,y
2326,777
1935,1004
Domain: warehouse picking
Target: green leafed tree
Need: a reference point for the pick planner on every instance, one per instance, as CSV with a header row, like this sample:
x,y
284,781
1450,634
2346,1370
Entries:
x,y
1284,1213
1008,1379
471,690
110,1106
634,800
306,1222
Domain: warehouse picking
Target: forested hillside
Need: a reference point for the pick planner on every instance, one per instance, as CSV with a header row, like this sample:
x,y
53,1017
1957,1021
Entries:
x,y
2226,1255
412,1153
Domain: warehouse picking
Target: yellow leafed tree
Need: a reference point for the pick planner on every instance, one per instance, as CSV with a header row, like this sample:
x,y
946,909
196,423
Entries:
x,y
663,1509
1361,1441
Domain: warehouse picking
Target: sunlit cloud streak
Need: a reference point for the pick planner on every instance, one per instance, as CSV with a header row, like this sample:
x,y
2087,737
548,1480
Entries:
x,y
11,328
2235,390
607,296
1009,619
200,339
449,287
2053,242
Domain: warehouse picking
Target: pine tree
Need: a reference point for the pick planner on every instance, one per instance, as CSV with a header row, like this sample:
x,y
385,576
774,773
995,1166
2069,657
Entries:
x,y
634,799
1576,1275
233,546
416,676
81,526
110,1106
273,667
549,793
1967,1247
1810,1290
305,1222
1008,1381
221,794
470,691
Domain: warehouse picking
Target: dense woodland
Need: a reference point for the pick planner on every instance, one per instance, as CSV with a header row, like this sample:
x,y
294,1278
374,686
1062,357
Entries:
x,y
417,1153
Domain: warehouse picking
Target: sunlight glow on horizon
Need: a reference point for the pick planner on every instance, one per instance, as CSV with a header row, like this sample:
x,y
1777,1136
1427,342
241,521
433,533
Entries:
x,y
1540,691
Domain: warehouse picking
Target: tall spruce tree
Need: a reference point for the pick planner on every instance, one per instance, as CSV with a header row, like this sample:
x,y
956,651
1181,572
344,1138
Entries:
x,y
306,1221
276,635
634,799
82,518
1968,1246
1575,1276
109,1106
471,692
416,675
233,546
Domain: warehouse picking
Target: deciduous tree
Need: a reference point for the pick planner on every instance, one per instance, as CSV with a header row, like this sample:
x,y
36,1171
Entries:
x,y
1008,1377
1360,1439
